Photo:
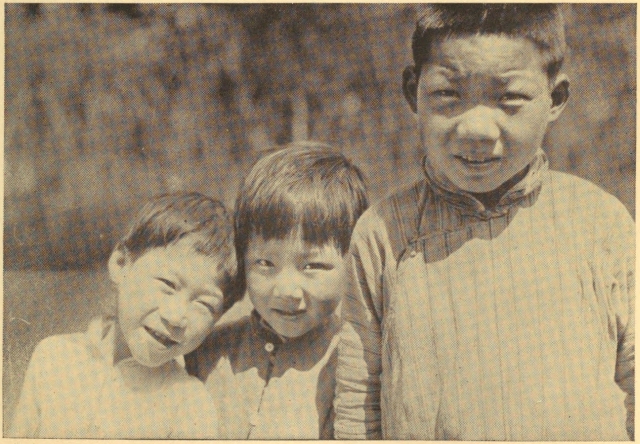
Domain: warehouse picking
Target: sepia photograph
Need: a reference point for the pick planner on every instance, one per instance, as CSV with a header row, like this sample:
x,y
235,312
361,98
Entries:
x,y
319,221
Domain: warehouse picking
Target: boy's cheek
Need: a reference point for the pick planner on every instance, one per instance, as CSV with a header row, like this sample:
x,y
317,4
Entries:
x,y
328,307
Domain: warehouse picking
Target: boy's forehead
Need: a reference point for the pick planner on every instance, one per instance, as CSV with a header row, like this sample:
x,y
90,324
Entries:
x,y
466,54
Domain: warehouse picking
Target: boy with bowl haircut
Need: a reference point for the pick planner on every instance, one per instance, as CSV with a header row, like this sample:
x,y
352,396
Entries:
x,y
493,299
120,379
272,373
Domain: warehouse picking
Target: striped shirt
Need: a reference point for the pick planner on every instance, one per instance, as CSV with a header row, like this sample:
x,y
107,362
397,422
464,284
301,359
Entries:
x,y
516,323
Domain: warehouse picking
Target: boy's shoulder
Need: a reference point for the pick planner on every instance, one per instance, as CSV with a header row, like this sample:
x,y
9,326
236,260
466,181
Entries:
x,y
401,203
223,340
58,346
575,193
393,219
64,358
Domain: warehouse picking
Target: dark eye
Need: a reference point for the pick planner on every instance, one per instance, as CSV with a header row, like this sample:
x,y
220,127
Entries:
x,y
264,263
167,283
513,98
445,94
319,266
210,303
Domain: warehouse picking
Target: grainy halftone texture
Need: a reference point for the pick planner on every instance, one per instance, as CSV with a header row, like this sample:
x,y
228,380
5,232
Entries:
x,y
106,105
73,390
514,324
265,388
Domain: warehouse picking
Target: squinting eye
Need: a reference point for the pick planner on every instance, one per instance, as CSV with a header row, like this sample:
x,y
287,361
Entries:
x,y
514,98
319,266
167,283
212,305
264,263
445,94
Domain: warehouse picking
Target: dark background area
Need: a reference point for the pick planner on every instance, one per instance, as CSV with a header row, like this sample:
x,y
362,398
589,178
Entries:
x,y
106,105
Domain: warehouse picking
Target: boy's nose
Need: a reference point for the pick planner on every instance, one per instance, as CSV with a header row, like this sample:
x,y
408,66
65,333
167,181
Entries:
x,y
288,289
478,124
174,311
291,303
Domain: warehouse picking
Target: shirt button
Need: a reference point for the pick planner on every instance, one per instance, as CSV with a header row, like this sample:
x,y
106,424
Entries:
x,y
253,419
413,253
269,347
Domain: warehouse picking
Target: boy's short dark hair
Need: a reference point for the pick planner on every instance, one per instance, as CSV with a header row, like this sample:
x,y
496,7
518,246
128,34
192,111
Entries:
x,y
168,218
306,186
541,23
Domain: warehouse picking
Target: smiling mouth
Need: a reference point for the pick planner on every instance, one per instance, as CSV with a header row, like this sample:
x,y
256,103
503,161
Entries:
x,y
161,338
476,160
288,313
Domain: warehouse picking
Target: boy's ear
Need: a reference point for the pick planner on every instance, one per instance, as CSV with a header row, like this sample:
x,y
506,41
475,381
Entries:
x,y
559,96
410,87
116,264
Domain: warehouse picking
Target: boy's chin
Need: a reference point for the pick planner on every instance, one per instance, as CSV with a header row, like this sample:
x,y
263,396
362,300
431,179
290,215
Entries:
x,y
291,331
142,352
146,359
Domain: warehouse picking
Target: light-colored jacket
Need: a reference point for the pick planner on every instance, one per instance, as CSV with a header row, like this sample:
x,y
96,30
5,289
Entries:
x,y
72,389
464,323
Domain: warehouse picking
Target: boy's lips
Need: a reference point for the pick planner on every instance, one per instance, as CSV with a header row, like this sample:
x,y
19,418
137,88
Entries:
x,y
478,164
161,337
289,313
478,160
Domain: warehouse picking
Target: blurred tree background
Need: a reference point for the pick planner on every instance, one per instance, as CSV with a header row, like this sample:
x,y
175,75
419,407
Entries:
x,y
106,105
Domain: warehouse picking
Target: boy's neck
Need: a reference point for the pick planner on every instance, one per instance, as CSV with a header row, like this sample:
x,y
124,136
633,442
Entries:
x,y
491,199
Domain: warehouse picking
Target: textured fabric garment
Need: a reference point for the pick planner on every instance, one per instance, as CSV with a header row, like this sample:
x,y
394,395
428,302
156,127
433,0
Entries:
x,y
463,323
267,388
73,390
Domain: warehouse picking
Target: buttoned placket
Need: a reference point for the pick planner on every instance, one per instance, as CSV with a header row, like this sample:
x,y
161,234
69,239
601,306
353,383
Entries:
x,y
254,418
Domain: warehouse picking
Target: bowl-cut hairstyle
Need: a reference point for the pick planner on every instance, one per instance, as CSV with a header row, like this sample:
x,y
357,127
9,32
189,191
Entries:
x,y
306,189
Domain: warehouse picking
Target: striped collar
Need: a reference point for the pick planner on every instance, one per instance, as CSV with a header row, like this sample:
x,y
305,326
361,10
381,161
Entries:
x,y
471,206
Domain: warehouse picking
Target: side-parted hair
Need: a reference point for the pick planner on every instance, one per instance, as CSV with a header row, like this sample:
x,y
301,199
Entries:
x,y
307,188
169,218
542,23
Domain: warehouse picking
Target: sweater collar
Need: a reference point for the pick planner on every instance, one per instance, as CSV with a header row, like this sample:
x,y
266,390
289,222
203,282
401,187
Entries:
x,y
469,205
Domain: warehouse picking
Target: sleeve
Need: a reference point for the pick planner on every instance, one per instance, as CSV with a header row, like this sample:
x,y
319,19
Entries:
x,y
326,429
198,416
357,402
622,249
26,419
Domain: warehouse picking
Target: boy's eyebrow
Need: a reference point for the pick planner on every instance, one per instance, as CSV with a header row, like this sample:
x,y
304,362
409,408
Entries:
x,y
445,69
516,73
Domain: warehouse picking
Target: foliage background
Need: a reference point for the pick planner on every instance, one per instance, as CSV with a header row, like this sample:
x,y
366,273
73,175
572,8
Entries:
x,y
106,105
